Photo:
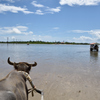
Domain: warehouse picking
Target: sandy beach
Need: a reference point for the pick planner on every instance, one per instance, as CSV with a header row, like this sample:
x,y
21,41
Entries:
x,y
76,84
65,83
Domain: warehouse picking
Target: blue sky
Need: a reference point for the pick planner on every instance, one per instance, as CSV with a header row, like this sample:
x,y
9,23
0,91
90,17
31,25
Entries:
x,y
50,20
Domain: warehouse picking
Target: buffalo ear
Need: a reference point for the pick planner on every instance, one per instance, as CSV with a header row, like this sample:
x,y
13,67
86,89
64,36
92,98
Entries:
x,y
29,68
15,66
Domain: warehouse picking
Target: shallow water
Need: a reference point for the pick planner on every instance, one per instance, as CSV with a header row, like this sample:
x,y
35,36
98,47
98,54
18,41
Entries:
x,y
64,72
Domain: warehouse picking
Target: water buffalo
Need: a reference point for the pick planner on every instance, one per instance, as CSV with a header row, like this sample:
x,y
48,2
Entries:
x,y
13,86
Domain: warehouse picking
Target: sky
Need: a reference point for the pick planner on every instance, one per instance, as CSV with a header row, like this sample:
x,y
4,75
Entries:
x,y
50,20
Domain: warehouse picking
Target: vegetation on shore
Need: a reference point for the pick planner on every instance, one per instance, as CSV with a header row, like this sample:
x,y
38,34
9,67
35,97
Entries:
x,y
43,42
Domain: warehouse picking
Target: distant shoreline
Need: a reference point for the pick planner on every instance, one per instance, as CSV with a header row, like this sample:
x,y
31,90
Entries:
x,y
42,42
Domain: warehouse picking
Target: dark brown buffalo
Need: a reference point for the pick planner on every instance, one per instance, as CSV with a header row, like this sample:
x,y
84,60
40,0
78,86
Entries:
x,y
13,86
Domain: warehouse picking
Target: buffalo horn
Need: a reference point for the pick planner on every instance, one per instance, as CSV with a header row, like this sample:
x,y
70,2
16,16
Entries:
x,y
33,64
11,63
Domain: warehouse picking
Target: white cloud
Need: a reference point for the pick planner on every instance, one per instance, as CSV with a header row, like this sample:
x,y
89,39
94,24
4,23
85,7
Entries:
x,y
79,2
34,3
15,30
83,38
52,10
13,9
45,9
22,28
30,32
92,32
39,12
56,28
11,1
94,35
79,31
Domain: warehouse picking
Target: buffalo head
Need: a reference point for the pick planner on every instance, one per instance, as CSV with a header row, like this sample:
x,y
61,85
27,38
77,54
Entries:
x,y
22,66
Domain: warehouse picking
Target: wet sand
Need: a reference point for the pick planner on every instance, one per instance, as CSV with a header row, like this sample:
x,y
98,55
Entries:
x,y
63,82
75,84
75,87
